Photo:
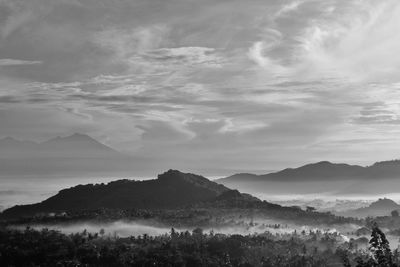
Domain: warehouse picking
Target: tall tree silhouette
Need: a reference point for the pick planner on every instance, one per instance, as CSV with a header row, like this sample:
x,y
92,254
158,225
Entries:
x,y
379,246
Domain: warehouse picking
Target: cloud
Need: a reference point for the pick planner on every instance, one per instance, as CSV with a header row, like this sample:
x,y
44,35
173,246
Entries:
x,y
17,62
256,53
204,84
287,8
8,99
378,113
191,56
352,40
126,43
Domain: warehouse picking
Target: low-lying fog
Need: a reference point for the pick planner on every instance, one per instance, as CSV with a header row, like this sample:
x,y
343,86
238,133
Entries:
x,y
126,229
370,189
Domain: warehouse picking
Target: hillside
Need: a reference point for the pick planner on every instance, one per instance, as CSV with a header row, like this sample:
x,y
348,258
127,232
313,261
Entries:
x,y
171,189
381,207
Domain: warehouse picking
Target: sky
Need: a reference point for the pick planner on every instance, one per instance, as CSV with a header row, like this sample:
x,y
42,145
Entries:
x,y
213,85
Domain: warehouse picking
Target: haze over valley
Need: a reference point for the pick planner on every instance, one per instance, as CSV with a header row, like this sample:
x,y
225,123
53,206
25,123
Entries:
x,y
33,171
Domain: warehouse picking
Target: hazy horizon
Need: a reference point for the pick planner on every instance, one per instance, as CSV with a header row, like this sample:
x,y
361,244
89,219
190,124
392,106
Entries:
x,y
11,147
206,86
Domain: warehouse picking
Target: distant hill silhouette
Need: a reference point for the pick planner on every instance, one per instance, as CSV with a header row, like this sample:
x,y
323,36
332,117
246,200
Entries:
x,y
323,170
321,177
76,145
381,207
171,189
75,154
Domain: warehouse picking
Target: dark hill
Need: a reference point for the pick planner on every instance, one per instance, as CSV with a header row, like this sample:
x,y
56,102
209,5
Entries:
x,y
315,171
323,170
381,207
172,189
324,176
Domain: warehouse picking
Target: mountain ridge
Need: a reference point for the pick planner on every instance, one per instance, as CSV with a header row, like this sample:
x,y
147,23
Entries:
x,y
76,141
321,170
171,189
76,154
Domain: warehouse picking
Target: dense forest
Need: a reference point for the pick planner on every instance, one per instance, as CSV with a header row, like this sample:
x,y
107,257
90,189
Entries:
x,y
196,248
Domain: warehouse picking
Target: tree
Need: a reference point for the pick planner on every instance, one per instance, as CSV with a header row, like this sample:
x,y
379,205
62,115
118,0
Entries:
x,y
310,209
102,232
395,213
379,246
198,231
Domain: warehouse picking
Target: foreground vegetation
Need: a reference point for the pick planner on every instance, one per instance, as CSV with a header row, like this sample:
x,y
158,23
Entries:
x,y
51,248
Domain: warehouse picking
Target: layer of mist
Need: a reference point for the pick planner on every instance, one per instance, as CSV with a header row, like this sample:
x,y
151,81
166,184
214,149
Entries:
x,y
138,228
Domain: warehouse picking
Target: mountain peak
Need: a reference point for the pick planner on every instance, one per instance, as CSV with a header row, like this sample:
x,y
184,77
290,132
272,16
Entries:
x,y
324,162
172,174
76,137
197,180
384,203
76,141
381,207
79,136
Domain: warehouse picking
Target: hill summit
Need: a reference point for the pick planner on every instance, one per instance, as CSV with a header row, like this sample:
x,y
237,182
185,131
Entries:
x,y
381,207
172,189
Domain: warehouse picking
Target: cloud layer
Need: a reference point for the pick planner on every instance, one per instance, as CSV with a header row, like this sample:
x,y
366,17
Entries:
x,y
207,86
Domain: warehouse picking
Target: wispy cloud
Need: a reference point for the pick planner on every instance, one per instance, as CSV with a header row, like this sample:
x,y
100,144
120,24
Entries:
x,y
191,56
17,62
352,40
203,82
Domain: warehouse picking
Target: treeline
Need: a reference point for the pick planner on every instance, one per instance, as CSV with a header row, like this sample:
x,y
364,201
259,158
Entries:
x,y
314,248
206,217
52,248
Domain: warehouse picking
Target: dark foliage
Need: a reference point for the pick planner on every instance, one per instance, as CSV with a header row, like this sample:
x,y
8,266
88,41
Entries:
x,y
380,254
51,248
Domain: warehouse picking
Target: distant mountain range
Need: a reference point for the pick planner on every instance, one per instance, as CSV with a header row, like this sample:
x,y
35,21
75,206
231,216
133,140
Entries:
x,y
323,170
171,189
76,145
321,179
77,153
381,207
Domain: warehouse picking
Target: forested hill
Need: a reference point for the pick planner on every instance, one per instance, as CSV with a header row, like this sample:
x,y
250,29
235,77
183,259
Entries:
x,y
381,207
171,189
